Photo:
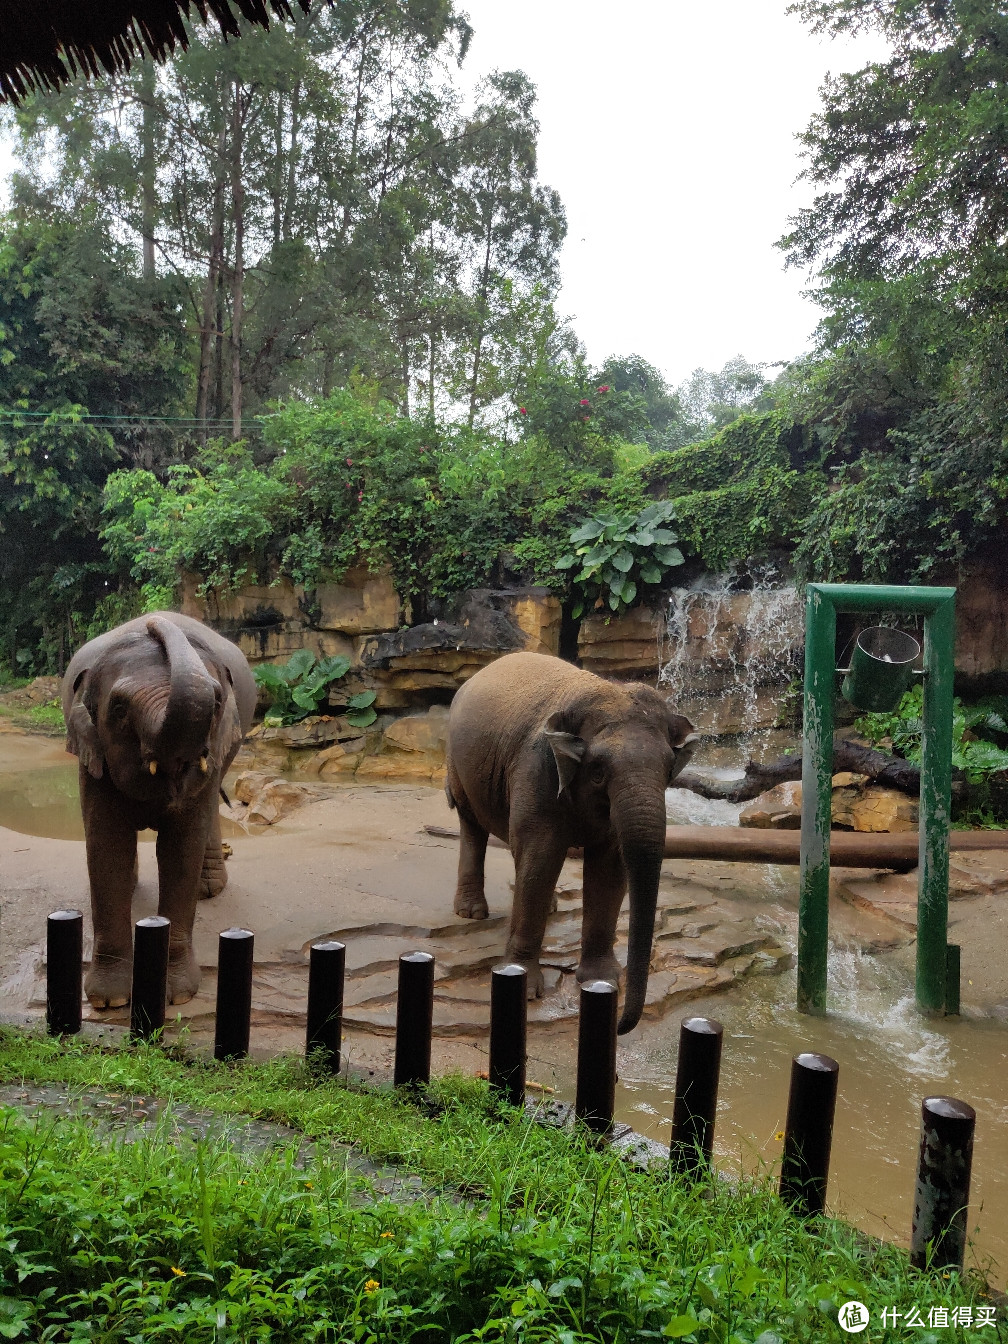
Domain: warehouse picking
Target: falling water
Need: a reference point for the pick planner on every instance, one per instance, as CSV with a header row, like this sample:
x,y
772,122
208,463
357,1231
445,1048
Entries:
x,y
727,655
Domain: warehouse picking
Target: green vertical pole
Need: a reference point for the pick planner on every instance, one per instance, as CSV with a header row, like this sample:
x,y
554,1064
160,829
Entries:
x,y
817,798
935,806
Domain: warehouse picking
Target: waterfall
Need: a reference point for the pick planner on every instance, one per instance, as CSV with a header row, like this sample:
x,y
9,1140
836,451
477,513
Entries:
x,y
727,654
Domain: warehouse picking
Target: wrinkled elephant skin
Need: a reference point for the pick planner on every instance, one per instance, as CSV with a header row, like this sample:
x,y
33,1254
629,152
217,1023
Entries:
x,y
546,756
155,711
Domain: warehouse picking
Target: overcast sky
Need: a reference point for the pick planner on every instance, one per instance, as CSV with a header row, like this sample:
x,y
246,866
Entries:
x,y
668,128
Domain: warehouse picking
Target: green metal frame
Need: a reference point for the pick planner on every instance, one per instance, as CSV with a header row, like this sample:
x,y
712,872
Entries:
x,y
937,606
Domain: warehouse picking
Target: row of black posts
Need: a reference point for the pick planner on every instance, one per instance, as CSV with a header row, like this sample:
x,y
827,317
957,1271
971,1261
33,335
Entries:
x,y
946,1148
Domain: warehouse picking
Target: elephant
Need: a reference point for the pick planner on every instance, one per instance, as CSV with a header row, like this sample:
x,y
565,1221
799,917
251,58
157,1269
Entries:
x,y
545,756
155,711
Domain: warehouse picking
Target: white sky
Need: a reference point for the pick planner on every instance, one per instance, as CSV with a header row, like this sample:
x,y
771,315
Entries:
x,y
668,129
668,126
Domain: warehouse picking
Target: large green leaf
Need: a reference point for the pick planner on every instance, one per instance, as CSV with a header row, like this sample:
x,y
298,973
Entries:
x,y
361,718
299,663
623,561
650,573
588,531
362,699
629,591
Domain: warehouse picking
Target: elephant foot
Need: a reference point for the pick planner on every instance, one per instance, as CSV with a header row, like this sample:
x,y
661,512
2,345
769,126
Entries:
x,y
109,981
471,905
599,968
535,985
213,875
183,975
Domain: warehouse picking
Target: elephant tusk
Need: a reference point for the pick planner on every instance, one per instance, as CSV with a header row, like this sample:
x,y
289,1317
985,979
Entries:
x,y
153,767
202,764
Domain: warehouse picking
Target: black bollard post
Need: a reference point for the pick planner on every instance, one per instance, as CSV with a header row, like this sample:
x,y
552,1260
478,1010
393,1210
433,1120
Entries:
x,y
941,1197
150,976
234,993
323,1037
508,1026
595,1098
696,1092
414,1019
808,1134
64,971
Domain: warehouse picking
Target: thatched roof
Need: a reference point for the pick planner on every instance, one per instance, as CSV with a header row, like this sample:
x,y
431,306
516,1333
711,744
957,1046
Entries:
x,y
45,43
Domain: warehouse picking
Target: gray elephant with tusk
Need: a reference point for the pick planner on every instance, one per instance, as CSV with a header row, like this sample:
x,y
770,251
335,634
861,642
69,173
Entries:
x,y
155,711
546,756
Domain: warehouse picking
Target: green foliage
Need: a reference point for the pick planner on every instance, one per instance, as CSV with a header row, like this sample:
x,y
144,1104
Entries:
x,y
973,751
619,554
523,1231
298,688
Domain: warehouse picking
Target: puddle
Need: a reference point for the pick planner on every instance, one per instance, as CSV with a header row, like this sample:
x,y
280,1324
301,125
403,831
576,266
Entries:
x,y
38,790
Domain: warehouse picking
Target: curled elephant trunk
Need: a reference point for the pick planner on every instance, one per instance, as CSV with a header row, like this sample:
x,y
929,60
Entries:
x,y
180,722
640,824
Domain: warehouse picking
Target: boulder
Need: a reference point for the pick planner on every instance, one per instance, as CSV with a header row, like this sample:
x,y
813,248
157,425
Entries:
x,y
361,603
778,808
858,805
422,734
871,808
621,646
276,799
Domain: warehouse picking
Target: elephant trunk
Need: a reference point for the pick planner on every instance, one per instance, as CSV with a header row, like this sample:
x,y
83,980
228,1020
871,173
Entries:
x,y
178,726
639,820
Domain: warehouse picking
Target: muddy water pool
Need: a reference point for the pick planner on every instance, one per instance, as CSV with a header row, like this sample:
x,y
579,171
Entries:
x,y
38,790
890,1059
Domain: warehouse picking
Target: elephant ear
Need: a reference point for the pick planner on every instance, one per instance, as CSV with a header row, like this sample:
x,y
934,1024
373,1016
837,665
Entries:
x,y
684,739
228,719
82,735
568,750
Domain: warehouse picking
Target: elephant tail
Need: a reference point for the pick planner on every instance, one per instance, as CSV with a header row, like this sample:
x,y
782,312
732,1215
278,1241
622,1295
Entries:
x,y
448,794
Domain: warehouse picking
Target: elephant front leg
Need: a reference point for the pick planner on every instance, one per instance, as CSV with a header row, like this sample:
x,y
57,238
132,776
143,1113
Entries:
x,y
213,874
470,894
111,843
537,867
181,845
605,885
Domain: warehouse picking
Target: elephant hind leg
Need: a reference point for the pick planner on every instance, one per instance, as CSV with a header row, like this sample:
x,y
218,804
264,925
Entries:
x,y
470,896
213,874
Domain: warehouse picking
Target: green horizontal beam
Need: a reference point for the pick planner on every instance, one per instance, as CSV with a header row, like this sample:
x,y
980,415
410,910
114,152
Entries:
x,y
848,597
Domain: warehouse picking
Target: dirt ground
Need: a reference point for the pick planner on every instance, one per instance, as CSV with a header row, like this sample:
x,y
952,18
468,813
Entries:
x,y
358,865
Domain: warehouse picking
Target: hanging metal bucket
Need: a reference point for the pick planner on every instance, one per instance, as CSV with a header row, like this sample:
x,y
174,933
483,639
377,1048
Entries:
x,y
881,669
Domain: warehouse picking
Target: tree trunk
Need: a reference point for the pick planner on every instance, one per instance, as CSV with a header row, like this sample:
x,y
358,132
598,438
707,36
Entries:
x,y
148,166
484,291
238,272
211,306
889,771
290,200
278,170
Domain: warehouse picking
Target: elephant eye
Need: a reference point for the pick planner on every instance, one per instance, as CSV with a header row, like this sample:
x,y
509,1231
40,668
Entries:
x,y
597,773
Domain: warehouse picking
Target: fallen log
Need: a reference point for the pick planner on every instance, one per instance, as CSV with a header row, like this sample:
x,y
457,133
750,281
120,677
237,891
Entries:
x,y
848,849
743,844
890,771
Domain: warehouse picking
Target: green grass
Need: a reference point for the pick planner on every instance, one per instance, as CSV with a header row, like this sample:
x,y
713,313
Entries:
x,y
528,1234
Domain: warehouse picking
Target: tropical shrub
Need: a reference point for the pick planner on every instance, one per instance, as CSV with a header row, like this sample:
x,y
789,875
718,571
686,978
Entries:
x,y
299,687
619,553
974,727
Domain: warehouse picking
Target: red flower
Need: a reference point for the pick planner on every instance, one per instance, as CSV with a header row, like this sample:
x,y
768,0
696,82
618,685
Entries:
x,y
360,495
349,463
604,389
348,485
585,401
522,410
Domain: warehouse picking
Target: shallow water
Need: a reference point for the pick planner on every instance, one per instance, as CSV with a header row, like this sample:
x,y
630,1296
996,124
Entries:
x,y
890,1059
38,790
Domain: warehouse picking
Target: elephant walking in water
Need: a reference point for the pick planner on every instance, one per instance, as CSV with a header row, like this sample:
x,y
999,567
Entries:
x,y
155,711
546,756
